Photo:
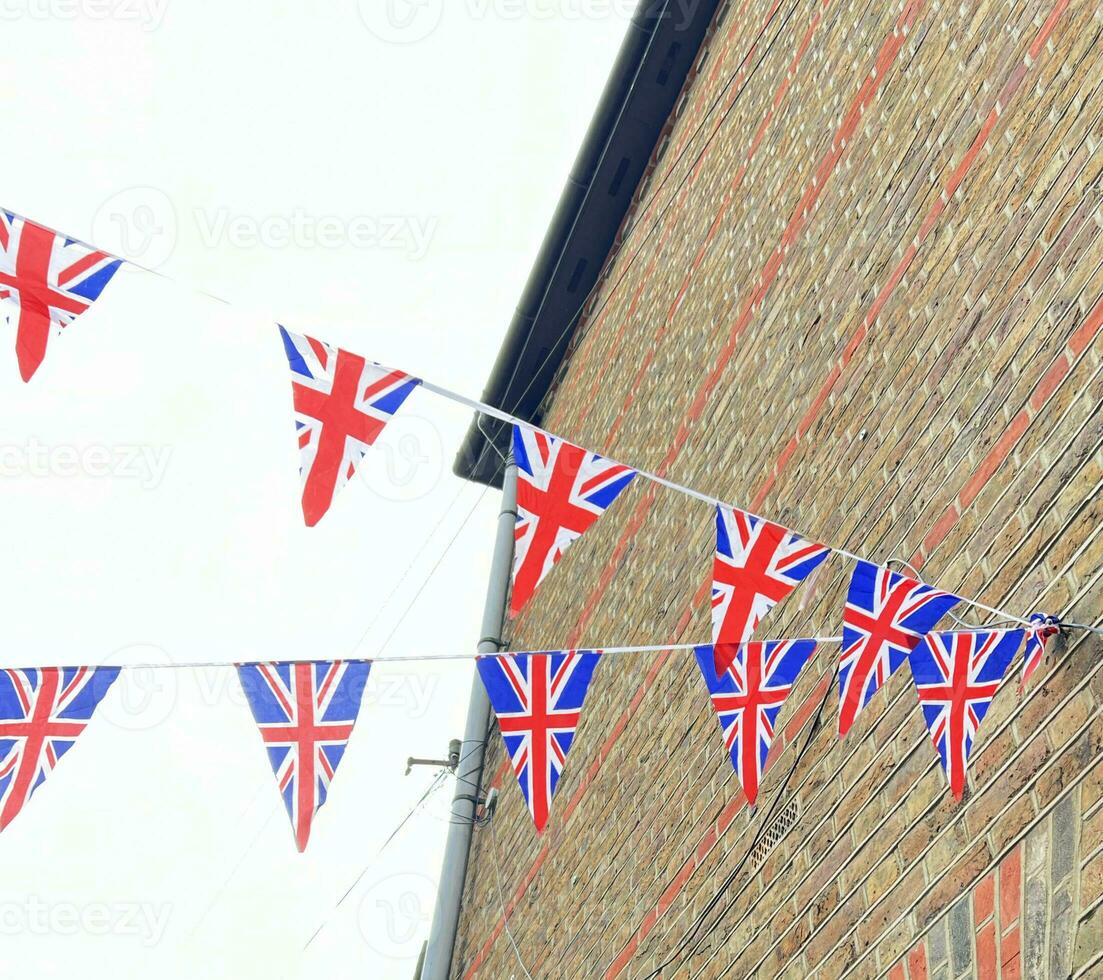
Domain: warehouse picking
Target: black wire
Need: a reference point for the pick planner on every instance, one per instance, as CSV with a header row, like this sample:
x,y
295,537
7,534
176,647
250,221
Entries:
x,y
733,874
642,208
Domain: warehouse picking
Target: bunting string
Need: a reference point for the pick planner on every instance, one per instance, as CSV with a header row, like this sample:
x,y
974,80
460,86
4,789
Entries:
x,y
501,415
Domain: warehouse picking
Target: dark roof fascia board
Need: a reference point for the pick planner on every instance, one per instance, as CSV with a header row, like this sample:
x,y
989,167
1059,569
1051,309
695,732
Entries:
x,y
654,60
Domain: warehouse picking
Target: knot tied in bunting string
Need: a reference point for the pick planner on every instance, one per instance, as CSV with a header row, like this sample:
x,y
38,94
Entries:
x,y
1037,639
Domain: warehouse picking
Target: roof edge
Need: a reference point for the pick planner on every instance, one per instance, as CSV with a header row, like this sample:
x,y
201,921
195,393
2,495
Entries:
x,y
655,58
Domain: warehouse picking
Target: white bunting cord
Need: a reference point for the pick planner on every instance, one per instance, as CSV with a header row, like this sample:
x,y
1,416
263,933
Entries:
x,y
457,657
509,418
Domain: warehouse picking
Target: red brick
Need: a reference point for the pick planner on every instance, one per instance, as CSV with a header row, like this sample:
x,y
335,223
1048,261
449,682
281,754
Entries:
x,y
984,899
988,961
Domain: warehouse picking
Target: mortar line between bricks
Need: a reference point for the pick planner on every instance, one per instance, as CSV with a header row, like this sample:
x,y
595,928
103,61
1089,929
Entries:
x,y
895,700
890,48
924,740
1015,842
1094,961
933,765
661,331
806,203
921,408
677,200
543,853
904,694
869,321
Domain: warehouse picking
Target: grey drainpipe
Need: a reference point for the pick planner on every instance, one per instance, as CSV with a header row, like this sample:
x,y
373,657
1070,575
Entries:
x,y
446,915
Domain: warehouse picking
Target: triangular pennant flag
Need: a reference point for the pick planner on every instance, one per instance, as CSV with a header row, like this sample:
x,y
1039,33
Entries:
x,y
886,616
757,564
1036,641
342,403
46,282
957,675
42,712
305,713
748,695
561,491
538,699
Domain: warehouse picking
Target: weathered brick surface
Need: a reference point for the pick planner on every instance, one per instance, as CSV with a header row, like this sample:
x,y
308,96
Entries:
x,y
871,308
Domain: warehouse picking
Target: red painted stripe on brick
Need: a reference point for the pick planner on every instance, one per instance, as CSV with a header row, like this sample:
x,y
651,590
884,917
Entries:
x,y
988,966
984,899
917,963
1043,391
756,141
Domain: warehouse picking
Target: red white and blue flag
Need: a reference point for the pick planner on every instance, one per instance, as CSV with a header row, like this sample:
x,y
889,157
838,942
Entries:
x,y
957,675
1037,638
561,491
46,282
305,713
757,564
886,616
538,699
342,403
42,712
748,696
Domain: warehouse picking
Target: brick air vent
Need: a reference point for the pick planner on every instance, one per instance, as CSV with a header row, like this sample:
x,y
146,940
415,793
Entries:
x,y
778,829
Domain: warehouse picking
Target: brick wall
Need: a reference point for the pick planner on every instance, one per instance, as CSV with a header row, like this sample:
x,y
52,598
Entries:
x,y
870,307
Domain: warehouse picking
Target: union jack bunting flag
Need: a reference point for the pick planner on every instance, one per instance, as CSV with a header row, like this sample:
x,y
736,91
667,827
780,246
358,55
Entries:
x,y
46,282
561,491
957,675
342,403
886,617
305,713
1036,641
757,564
42,711
538,699
748,696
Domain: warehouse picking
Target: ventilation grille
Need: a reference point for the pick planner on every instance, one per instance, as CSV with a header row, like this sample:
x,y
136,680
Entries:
x,y
774,833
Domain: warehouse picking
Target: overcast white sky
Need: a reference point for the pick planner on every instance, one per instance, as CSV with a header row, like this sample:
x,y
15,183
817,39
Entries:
x,y
379,174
